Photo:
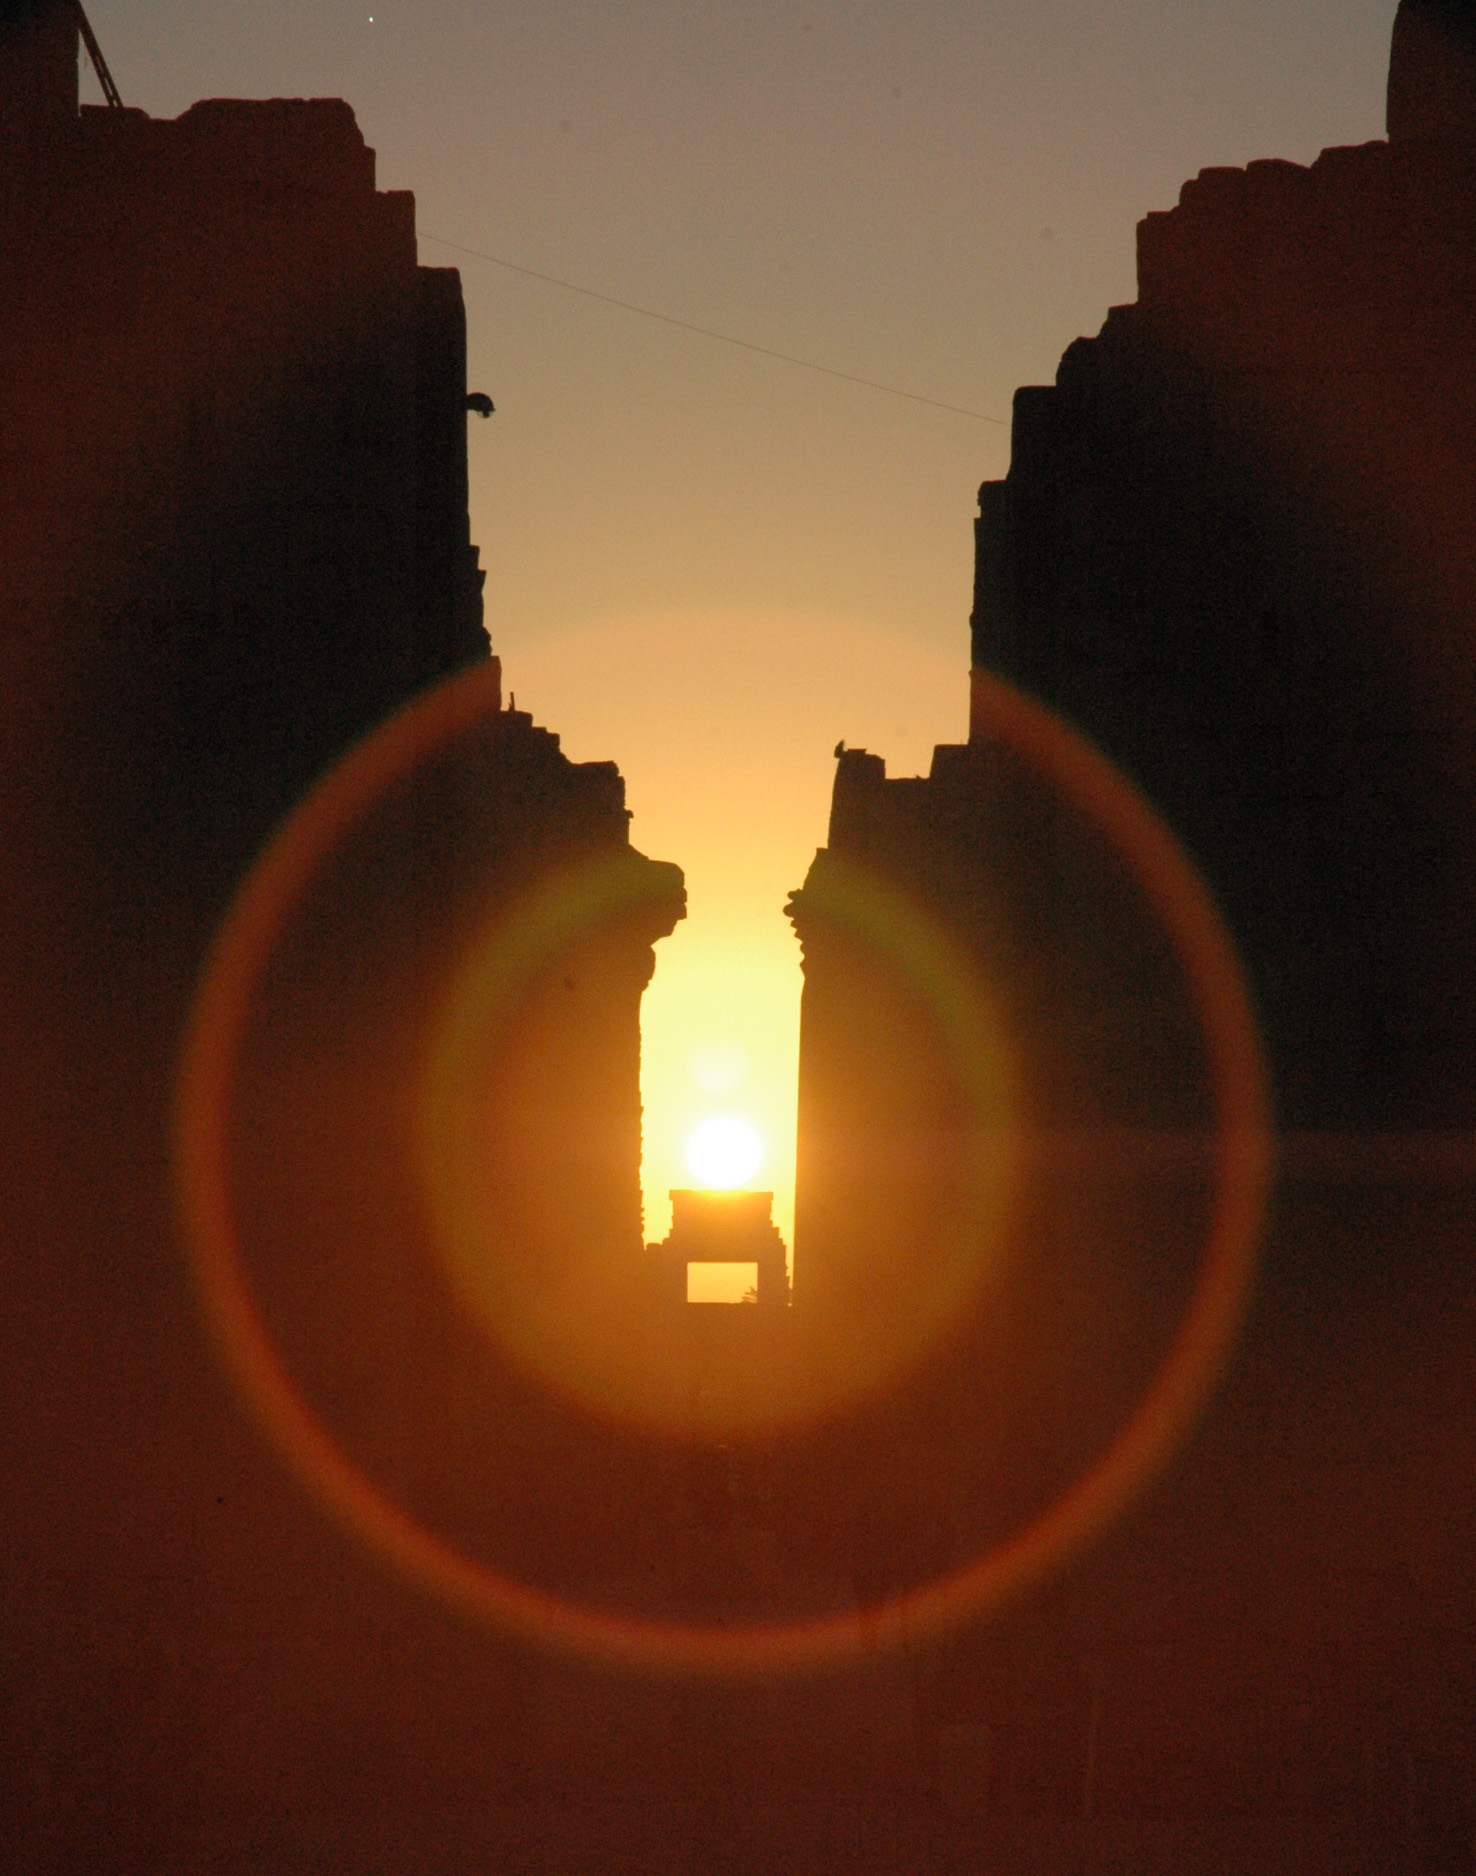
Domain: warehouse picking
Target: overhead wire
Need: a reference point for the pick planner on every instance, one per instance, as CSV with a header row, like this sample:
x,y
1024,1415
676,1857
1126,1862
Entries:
x,y
708,332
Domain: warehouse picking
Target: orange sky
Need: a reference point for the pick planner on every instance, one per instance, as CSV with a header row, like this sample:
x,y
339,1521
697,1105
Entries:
x,y
708,565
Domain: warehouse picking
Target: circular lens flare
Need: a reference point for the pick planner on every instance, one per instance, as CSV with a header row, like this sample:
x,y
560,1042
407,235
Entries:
x,y
724,1153
218,1226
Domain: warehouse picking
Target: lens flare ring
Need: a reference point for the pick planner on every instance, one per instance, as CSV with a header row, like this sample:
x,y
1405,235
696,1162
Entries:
x,y
471,1020
1242,1164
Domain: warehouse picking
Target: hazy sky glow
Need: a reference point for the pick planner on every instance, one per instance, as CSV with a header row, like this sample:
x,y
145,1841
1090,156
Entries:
x,y
707,565
726,719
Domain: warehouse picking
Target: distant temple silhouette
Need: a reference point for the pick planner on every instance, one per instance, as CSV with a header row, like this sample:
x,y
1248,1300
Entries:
x,y
723,1228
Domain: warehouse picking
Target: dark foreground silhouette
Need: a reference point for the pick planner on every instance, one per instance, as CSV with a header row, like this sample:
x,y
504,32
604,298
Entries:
x,y
1235,546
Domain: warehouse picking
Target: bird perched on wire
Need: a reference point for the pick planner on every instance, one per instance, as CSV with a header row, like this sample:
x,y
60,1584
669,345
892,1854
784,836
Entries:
x,y
480,403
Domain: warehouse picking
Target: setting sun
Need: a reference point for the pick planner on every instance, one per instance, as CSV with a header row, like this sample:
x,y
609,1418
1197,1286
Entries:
x,y
724,1153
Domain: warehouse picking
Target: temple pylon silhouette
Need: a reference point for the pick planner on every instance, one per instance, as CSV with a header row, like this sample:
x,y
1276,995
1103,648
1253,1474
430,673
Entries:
x,y
1234,549
235,541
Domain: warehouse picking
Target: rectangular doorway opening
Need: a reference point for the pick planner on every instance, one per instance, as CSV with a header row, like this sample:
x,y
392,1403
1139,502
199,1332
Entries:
x,y
722,1283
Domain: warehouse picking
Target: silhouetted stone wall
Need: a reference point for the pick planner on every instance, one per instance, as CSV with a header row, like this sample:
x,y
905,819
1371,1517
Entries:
x,y
233,539
1235,546
234,471
1432,70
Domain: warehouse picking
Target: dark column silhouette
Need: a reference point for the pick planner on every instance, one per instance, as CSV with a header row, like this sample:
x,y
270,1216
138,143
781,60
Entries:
x,y
233,540
1234,546
1432,71
38,81
235,523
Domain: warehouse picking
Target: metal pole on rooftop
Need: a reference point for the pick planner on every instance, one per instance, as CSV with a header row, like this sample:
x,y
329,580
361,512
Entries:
x,y
99,63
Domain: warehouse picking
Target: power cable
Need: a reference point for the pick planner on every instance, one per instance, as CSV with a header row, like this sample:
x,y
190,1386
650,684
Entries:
x,y
707,332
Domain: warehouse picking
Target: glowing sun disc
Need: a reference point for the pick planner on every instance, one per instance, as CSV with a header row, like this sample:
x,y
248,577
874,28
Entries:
x,y
723,1153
